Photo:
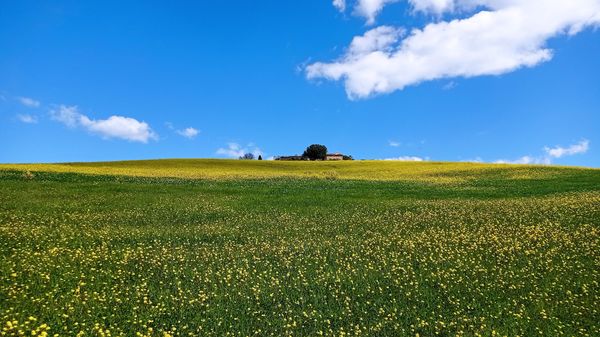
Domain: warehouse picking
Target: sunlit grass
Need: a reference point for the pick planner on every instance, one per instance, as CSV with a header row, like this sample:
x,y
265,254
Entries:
x,y
231,248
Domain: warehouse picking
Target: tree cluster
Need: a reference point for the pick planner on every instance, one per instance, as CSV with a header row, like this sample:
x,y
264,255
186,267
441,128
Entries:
x,y
315,152
250,156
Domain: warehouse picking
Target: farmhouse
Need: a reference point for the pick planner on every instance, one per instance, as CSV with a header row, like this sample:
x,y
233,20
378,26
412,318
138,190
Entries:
x,y
334,156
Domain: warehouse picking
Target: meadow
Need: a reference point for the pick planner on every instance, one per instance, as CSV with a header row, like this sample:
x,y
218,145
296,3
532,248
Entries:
x,y
249,248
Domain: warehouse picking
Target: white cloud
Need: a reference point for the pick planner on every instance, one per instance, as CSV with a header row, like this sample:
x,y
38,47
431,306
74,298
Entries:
x,y
68,115
407,158
558,152
120,127
503,36
28,102
473,160
369,9
114,127
550,154
393,143
381,38
340,5
235,150
190,132
449,86
526,160
29,119
436,6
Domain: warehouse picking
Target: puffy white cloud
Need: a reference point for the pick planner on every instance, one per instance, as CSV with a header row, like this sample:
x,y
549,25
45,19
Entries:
x,y
407,158
378,39
235,150
188,132
340,5
394,143
114,127
29,119
503,36
119,127
28,102
558,152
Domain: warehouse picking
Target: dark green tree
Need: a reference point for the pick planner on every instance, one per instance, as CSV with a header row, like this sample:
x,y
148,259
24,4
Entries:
x,y
259,157
247,156
315,152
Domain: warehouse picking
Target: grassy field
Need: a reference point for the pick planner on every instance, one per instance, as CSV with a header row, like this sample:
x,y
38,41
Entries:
x,y
248,248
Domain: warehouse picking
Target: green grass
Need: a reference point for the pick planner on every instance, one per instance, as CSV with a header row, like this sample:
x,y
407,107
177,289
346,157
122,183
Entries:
x,y
179,247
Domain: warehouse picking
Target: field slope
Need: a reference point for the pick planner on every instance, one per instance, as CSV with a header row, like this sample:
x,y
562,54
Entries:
x,y
241,248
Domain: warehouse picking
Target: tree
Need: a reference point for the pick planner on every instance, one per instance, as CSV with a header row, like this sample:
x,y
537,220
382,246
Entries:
x,y
247,156
348,157
315,152
259,157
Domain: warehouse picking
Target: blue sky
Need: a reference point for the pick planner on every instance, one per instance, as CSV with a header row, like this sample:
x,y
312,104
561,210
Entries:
x,y
423,79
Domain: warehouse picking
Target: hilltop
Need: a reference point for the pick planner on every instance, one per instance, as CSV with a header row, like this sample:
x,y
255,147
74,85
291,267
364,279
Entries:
x,y
359,170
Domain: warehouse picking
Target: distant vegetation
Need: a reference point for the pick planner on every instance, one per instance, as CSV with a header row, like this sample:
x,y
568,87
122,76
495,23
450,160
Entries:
x,y
264,248
315,152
